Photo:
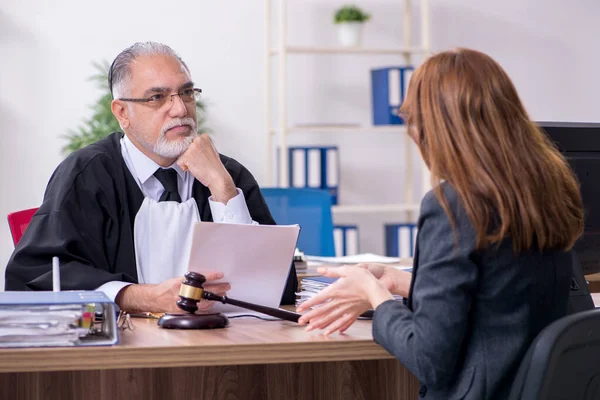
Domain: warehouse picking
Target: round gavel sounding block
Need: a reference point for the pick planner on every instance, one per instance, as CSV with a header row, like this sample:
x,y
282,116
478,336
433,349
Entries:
x,y
190,293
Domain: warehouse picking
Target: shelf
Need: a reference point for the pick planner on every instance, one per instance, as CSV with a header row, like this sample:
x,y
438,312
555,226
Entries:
x,y
276,63
349,50
375,208
346,128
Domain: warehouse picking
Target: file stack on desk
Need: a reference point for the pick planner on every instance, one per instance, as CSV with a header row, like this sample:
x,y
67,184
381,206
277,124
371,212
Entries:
x,y
36,319
311,285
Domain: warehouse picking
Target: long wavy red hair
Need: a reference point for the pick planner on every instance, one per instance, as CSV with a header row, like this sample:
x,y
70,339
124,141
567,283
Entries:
x,y
466,117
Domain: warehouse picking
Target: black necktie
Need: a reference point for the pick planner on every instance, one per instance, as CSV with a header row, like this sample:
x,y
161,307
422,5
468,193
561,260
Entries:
x,y
168,178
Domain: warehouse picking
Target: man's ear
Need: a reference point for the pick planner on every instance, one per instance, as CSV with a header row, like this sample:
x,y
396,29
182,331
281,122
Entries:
x,y
121,113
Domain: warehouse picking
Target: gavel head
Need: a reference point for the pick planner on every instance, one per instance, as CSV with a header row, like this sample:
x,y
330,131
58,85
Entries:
x,y
191,292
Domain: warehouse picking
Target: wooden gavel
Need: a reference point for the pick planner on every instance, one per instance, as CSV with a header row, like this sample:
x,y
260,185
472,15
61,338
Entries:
x,y
192,291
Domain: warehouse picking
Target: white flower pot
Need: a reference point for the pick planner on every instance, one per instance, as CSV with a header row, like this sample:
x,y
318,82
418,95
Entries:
x,y
350,33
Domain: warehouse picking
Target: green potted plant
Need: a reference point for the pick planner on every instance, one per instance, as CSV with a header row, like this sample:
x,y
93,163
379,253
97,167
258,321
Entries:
x,y
102,122
349,20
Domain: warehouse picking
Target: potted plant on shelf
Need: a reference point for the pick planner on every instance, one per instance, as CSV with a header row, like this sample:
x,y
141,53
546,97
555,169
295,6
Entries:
x,y
349,20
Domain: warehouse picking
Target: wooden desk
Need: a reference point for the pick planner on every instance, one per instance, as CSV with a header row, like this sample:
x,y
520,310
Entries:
x,y
251,359
593,282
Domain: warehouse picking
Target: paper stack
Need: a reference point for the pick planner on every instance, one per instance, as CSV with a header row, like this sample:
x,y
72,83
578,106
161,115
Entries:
x,y
312,285
42,325
35,319
360,258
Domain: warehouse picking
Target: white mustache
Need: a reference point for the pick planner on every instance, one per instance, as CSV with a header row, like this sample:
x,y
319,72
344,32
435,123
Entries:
x,y
179,122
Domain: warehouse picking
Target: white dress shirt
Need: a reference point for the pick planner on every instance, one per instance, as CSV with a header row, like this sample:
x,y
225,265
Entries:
x,y
143,168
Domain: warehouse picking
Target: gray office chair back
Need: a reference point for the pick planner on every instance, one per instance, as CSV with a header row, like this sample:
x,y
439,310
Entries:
x,y
563,362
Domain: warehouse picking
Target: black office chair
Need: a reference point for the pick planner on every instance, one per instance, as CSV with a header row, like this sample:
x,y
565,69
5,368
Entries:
x,y
563,362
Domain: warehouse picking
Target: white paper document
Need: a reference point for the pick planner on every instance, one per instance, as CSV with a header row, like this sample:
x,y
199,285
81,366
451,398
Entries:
x,y
255,259
359,258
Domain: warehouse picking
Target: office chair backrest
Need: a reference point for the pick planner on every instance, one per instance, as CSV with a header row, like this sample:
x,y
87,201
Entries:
x,y
563,362
18,221
311,209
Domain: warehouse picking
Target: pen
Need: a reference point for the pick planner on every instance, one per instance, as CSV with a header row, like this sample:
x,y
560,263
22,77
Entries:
x,y
147,315
55,274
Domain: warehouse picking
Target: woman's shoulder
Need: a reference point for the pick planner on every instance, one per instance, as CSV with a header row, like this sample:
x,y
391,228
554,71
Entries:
x,y
433,210
431,202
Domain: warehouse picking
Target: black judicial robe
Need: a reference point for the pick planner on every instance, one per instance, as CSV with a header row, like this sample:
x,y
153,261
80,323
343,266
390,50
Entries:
x,y
87,219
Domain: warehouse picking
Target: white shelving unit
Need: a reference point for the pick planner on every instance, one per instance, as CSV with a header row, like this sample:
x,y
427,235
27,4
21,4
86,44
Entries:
x,y
279,134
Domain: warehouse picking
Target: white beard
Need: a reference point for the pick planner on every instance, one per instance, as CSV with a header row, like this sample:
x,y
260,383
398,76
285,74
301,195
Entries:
x,y
171,149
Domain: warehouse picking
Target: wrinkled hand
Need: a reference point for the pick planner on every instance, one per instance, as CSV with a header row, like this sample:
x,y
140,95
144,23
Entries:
x,y
393,279
203,161
340,304
167,293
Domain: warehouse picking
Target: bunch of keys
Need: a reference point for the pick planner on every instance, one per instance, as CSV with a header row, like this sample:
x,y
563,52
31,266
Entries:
x,y
124,321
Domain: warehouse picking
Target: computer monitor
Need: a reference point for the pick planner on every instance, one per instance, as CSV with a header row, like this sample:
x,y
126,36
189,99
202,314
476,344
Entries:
x,y
580,144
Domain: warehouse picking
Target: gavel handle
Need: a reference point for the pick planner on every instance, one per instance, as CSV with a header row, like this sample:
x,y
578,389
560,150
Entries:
x,y
274,312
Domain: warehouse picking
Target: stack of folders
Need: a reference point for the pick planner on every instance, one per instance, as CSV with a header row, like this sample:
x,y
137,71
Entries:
x,y
389,86
310,286
345,240
316,167
70,318
400,240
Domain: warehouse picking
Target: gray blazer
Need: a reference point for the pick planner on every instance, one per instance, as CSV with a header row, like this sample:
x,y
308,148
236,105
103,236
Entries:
x,y
471,314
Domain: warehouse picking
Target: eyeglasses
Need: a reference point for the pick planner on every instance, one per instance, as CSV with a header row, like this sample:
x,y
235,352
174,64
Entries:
x,y
157,100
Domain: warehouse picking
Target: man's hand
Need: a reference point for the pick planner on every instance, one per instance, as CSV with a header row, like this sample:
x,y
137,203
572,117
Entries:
x,y
163,296
203,161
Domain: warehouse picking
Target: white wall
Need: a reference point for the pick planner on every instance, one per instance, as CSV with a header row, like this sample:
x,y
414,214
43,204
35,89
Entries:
x,y
46,50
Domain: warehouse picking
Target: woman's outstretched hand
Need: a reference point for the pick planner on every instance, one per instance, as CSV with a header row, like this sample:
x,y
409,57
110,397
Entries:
x,y
340,304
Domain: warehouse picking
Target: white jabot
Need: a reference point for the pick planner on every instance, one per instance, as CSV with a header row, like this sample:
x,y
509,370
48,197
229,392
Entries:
x,y
142,168
162,236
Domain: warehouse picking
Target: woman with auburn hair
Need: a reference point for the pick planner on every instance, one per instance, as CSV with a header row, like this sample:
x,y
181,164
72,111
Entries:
x,y
494,256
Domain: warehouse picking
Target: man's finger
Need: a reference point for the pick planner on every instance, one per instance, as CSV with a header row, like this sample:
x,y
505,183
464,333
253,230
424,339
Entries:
x,y
218,288
212,275
182,163
205,304
204,136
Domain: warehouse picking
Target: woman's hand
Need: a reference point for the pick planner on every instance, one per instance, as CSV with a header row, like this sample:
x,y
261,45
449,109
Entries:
x,y
340,304
393,279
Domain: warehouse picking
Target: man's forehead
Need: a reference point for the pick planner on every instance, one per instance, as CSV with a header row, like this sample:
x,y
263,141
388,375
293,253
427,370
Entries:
x,y
158,70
